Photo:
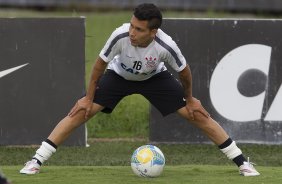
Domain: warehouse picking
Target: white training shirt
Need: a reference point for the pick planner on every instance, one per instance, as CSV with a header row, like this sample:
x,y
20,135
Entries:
x,y
138,63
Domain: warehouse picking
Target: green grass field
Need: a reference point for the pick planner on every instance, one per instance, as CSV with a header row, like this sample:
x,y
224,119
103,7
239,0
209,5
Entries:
x,y
109,162
184,174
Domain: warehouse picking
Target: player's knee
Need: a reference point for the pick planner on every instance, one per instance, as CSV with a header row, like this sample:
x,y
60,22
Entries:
x,y
202,121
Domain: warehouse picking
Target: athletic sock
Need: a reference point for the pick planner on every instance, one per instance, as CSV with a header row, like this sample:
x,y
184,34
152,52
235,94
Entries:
x,y
239,160
51,143
45,151
230,149
38,161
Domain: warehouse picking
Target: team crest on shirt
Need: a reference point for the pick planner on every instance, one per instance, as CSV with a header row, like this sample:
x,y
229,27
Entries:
x,y
151,62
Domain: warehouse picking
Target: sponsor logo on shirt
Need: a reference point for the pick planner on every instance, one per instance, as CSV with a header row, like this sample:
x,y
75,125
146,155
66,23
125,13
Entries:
x,y
151,62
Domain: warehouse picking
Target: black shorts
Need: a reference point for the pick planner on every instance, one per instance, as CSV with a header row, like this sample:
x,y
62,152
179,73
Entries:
x,y
162,90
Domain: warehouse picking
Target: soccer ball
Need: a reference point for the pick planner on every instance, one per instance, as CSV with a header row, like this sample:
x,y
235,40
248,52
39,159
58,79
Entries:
x,y
147,161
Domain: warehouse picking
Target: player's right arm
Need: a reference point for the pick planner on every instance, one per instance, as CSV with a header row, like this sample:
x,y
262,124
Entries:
x,y
86,102
97,71
109,51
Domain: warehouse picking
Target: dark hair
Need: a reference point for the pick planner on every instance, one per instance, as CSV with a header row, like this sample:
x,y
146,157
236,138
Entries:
x,y
149,12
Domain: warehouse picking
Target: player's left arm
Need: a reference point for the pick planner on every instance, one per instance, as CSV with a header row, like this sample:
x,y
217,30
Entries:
x,y
192,104
173,56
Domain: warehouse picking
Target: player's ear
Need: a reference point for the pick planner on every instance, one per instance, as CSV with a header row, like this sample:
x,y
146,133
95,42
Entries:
x,y
154,32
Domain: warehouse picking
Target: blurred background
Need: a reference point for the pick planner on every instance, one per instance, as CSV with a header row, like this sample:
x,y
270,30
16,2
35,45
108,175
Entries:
x,y
257,6
131,117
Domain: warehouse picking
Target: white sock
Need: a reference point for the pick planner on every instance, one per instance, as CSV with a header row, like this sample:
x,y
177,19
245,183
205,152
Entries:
x,y
232,151
44,152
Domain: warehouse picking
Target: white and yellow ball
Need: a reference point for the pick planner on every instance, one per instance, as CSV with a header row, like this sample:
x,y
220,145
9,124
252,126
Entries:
x,y
147,161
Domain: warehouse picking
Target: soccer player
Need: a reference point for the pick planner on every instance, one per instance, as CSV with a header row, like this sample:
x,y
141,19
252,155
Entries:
x,y
133,62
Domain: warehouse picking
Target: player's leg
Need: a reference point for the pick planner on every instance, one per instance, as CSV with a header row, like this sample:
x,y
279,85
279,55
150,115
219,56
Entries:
x,y
66,126
59,134
210,127
166,94
110,90
218,135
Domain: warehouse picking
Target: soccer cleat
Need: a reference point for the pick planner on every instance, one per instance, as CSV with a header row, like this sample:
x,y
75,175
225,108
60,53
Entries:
x,y
31,167
248,169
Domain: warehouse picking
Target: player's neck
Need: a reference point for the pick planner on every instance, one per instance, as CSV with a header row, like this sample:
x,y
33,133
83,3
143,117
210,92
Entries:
x,y
146,44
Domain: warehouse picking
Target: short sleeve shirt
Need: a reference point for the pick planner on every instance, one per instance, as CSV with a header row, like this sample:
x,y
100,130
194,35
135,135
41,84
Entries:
x,y
140,63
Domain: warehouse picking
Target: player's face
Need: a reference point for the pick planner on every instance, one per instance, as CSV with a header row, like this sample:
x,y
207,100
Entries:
x,y
139,33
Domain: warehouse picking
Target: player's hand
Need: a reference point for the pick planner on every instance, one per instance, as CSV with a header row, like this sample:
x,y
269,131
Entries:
x,y
82,104
194,105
